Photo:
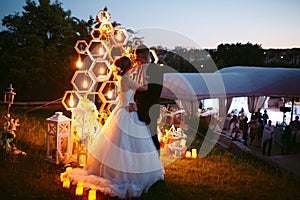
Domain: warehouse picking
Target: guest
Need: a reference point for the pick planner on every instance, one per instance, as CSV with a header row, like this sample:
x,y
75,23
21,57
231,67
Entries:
x,y
267,138
258,116
236,134
265,117
253,128
242,113
244,128
295,128
233,123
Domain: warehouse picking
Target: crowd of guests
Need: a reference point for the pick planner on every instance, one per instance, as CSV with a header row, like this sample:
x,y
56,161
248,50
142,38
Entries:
x,y
259,131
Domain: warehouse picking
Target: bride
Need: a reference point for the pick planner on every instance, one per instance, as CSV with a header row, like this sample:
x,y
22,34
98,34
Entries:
x,y
123,160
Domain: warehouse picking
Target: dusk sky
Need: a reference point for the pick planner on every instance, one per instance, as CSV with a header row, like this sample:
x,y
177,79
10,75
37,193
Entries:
x,y
270,23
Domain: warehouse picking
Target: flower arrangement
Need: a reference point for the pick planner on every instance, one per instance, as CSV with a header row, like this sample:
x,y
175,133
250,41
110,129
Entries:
x,y
86,119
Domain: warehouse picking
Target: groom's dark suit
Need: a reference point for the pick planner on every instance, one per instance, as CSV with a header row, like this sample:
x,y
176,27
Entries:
x,y
148,102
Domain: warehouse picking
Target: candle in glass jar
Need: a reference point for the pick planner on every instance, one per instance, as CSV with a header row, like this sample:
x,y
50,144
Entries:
x,y
92,194
66,183
79,189
194,153
62,176
188,154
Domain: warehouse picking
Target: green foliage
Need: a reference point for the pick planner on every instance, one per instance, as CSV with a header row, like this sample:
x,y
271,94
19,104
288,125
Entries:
x,y
36,50
239,55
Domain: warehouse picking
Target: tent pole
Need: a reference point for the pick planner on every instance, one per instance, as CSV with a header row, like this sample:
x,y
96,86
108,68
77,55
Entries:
x,y
293,102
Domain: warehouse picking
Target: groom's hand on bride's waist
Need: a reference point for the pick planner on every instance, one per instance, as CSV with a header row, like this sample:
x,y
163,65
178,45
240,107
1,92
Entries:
x,y
132,107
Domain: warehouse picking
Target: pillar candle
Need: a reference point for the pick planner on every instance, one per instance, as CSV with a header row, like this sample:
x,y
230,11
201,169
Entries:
x,y
194,153
92,194
188,154
79,189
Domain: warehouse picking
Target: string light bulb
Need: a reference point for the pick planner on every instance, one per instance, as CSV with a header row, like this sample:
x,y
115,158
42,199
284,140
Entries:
x,y
79,62
102,70
118,36
85,84
71,101
110,94
101,51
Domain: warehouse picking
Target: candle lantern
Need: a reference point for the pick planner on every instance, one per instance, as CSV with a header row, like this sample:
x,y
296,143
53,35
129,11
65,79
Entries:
x,y
58,137
82,154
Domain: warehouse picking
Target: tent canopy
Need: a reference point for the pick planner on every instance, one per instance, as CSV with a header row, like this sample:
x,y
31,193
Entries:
x,y
236,81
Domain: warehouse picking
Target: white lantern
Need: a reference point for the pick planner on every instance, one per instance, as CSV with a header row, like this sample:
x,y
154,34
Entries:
x,y
58,140
9,97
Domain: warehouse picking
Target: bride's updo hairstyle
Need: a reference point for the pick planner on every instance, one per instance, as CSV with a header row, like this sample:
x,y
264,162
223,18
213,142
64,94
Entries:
x,y
123,64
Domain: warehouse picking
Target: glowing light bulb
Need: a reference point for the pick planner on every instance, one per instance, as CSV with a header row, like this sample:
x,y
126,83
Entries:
x,y
101,51
110,94
118,37
79,63
71,101
85,84
101,70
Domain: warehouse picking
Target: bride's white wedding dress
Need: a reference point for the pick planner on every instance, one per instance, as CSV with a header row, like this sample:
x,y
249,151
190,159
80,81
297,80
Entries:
x,y
123,160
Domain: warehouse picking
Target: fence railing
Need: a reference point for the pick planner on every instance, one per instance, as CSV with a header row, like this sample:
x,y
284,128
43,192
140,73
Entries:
x,y
33,104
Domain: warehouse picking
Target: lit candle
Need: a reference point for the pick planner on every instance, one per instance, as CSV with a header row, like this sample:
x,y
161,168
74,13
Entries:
x,y
188,154
66,183
68,169
62,176
79,189
79,63
194,153
92,194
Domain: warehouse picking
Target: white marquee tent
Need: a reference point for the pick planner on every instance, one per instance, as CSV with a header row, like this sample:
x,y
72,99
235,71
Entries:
x,y
233,82
239,81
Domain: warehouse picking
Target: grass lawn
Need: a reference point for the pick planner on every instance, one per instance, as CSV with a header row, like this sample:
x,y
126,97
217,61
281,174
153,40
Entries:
x,y
220,175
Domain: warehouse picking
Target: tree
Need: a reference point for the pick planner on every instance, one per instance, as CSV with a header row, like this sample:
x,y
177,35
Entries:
x,y
239,55
36,50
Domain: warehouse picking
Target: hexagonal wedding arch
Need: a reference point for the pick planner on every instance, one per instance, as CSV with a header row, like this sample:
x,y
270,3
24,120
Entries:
x,y
94,78
95,89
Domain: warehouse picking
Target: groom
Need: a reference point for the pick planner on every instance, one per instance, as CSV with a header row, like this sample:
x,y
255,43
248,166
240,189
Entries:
x,y
148,102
